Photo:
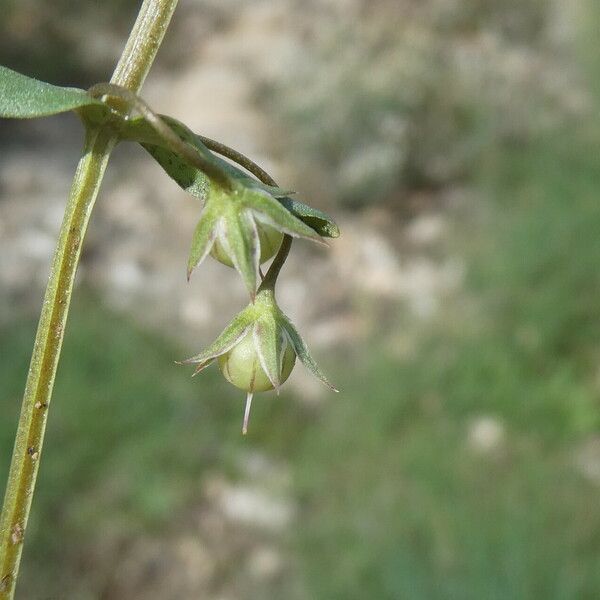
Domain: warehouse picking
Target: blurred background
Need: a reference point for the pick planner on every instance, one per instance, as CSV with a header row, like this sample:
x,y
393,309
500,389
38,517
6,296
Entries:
x,y
456,144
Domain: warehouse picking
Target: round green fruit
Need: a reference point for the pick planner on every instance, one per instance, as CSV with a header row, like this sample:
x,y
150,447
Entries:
x,y
241,366
270,239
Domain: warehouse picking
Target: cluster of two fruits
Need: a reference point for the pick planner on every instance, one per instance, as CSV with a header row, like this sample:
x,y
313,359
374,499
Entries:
x,y
257,351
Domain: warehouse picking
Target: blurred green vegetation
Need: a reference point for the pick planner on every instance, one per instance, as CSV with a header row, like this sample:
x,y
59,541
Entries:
x,y
399,504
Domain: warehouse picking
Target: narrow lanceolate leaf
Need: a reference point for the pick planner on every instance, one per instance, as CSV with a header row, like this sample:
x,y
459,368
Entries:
x,y
322,223
232,170
187,135
203,239
250,182
227,339
244,247
192,180
23,97
269,344
303,353
268,210
196,183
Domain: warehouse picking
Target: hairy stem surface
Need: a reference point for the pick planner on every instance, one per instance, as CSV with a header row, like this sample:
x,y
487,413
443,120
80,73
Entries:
x,y
130,73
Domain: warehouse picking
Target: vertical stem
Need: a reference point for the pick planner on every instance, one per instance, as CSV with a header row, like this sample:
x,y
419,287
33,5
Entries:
x,y
268,283
46,352
137,58
143,43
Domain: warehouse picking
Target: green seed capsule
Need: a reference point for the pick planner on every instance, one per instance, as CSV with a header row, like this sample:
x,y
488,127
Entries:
x,y
241,366
270,239
257,350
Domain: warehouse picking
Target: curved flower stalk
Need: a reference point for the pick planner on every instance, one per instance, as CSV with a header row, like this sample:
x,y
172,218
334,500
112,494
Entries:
x,y
257,350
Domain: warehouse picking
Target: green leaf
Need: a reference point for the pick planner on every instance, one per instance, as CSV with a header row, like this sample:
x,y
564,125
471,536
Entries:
x,y
191,179
250,182
187,177
196,183
303,353
22,97
322,223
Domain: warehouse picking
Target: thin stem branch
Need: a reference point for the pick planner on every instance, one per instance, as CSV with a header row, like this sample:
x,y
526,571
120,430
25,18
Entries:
x,y
164,132
130,72
239,158
273,273
190,154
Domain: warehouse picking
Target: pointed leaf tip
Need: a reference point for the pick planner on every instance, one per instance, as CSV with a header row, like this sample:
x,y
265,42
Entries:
x,y
226,340
203,239
270,211
322,223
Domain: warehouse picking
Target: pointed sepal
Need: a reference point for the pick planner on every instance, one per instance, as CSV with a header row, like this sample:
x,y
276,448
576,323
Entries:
x,y
270,211
301,350
203,239
270,343
242,243
227,339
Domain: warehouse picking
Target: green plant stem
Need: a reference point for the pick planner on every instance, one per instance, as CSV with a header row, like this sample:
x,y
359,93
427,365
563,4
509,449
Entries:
x,y
163,132
239,158
131,71
190,154
46,352
143,43
270,279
